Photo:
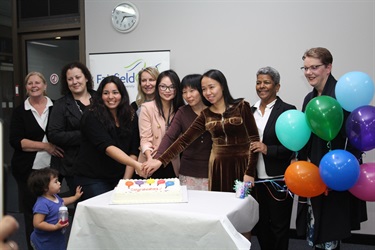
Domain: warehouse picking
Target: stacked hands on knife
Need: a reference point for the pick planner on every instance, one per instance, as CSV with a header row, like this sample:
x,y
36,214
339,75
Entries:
x,y
147,168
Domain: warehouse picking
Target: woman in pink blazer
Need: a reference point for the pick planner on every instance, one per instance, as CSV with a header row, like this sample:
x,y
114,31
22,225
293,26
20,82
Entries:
x,y
155,118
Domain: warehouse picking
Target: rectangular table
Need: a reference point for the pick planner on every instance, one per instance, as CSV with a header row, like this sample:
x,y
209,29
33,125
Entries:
x,y
209,220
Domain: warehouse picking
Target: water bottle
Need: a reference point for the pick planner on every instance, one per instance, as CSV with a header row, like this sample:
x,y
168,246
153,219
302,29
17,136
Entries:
x,y
63,216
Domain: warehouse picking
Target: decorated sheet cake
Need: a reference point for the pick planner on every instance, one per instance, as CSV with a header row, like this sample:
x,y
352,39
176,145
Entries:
x,y
132,191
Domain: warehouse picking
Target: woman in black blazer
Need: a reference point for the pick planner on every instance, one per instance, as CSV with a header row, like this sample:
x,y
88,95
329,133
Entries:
x,y
275,208
32,150
64,125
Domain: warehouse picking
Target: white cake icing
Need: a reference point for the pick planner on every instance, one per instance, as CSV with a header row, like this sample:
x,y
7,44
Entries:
x,y
131,191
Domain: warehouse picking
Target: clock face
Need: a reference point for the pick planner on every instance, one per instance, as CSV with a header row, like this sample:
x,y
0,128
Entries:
x,y
125,17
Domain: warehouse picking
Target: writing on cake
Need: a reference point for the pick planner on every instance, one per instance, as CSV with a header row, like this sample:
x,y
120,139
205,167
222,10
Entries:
x,y
131,191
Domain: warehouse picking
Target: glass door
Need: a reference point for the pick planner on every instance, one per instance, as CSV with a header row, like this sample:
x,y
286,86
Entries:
x,y
48,56
44,52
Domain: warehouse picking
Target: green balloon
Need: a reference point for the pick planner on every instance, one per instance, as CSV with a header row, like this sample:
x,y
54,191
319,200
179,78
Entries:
x,y
325,116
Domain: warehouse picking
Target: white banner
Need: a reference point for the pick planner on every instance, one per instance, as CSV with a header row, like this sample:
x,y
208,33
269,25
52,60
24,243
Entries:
x,y
126,66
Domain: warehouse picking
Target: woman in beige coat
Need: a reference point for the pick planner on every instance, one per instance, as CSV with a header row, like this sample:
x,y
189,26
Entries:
x,y
155,118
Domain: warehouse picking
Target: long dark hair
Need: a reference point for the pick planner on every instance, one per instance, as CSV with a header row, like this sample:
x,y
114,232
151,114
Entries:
x,y
86,72
125,112
177,101
218,76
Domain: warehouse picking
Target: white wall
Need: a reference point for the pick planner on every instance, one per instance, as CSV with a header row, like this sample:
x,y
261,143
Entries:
x,y
238,37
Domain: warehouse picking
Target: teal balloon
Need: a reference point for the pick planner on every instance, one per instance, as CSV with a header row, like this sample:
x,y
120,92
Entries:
x,y
353,90
324,116
292,130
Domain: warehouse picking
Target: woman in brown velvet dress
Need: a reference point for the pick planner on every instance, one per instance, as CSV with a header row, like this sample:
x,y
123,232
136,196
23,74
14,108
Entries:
x,y
232,128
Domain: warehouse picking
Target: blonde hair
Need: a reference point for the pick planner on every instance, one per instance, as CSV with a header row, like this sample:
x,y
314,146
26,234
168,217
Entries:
x,y
41,76
141,97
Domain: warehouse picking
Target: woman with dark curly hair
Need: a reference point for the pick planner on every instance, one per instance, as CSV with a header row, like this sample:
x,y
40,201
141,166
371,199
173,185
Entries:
x,y
63,127
110,140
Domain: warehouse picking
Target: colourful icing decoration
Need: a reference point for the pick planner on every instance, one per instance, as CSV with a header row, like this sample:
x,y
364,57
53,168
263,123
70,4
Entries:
x,y
161,182
139,183
169,183
138,191
150,181
129,183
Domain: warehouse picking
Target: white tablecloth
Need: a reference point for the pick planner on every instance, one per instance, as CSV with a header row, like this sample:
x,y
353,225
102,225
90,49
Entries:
x,y
209,220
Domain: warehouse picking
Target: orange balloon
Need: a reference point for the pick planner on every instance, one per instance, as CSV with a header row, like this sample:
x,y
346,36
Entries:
x,y
303,179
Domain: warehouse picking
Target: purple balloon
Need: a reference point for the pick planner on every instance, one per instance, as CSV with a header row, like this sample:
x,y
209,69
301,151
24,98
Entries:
x,y
360,128
139,182
364,189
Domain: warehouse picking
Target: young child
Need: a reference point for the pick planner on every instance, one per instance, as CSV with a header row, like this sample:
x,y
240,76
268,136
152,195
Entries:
x,y
47,232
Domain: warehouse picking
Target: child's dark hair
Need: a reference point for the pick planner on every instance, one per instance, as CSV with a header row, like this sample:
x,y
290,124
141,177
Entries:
x,y
38,181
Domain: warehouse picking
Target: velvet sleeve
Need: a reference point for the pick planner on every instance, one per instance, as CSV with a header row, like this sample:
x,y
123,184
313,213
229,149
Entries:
x,y
173,132
252,131
194,131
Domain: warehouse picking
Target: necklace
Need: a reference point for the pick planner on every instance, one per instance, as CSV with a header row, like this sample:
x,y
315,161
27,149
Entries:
x,y
80,105
168,122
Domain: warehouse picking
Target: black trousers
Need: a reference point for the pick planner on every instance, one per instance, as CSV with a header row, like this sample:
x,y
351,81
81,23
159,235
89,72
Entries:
x,y
26,201
275,210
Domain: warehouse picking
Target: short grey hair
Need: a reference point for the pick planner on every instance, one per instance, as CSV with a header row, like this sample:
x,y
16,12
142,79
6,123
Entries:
x,y
273,73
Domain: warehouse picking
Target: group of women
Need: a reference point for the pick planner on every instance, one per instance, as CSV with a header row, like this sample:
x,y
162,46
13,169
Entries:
x,y
95,138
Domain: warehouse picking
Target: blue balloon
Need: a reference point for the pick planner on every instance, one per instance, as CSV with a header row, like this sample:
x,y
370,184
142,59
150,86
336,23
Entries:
x,y
360,128
339,169
169,183
354,89
292,129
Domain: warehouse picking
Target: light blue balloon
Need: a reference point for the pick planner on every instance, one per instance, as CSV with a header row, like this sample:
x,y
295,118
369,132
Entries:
x,y
354,89
292,129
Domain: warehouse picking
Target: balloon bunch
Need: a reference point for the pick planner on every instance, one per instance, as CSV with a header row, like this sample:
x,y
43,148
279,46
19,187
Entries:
x,y
354,91
339,169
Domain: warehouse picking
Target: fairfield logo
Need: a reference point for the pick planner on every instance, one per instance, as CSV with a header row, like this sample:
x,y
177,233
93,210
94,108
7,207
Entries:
x,y
130,74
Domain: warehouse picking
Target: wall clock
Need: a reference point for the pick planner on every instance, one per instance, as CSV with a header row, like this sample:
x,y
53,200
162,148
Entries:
x,y
125,17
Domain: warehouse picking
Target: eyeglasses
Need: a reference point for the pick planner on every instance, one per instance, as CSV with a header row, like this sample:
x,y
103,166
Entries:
x,y
311,68
164,88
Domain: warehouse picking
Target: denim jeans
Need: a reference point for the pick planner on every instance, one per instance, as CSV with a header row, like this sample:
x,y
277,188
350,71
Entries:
x,y
93,187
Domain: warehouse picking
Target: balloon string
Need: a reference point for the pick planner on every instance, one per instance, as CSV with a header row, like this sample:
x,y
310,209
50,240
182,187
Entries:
x,y
346,143
363,155
273,180
277,186
296,157
329,145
